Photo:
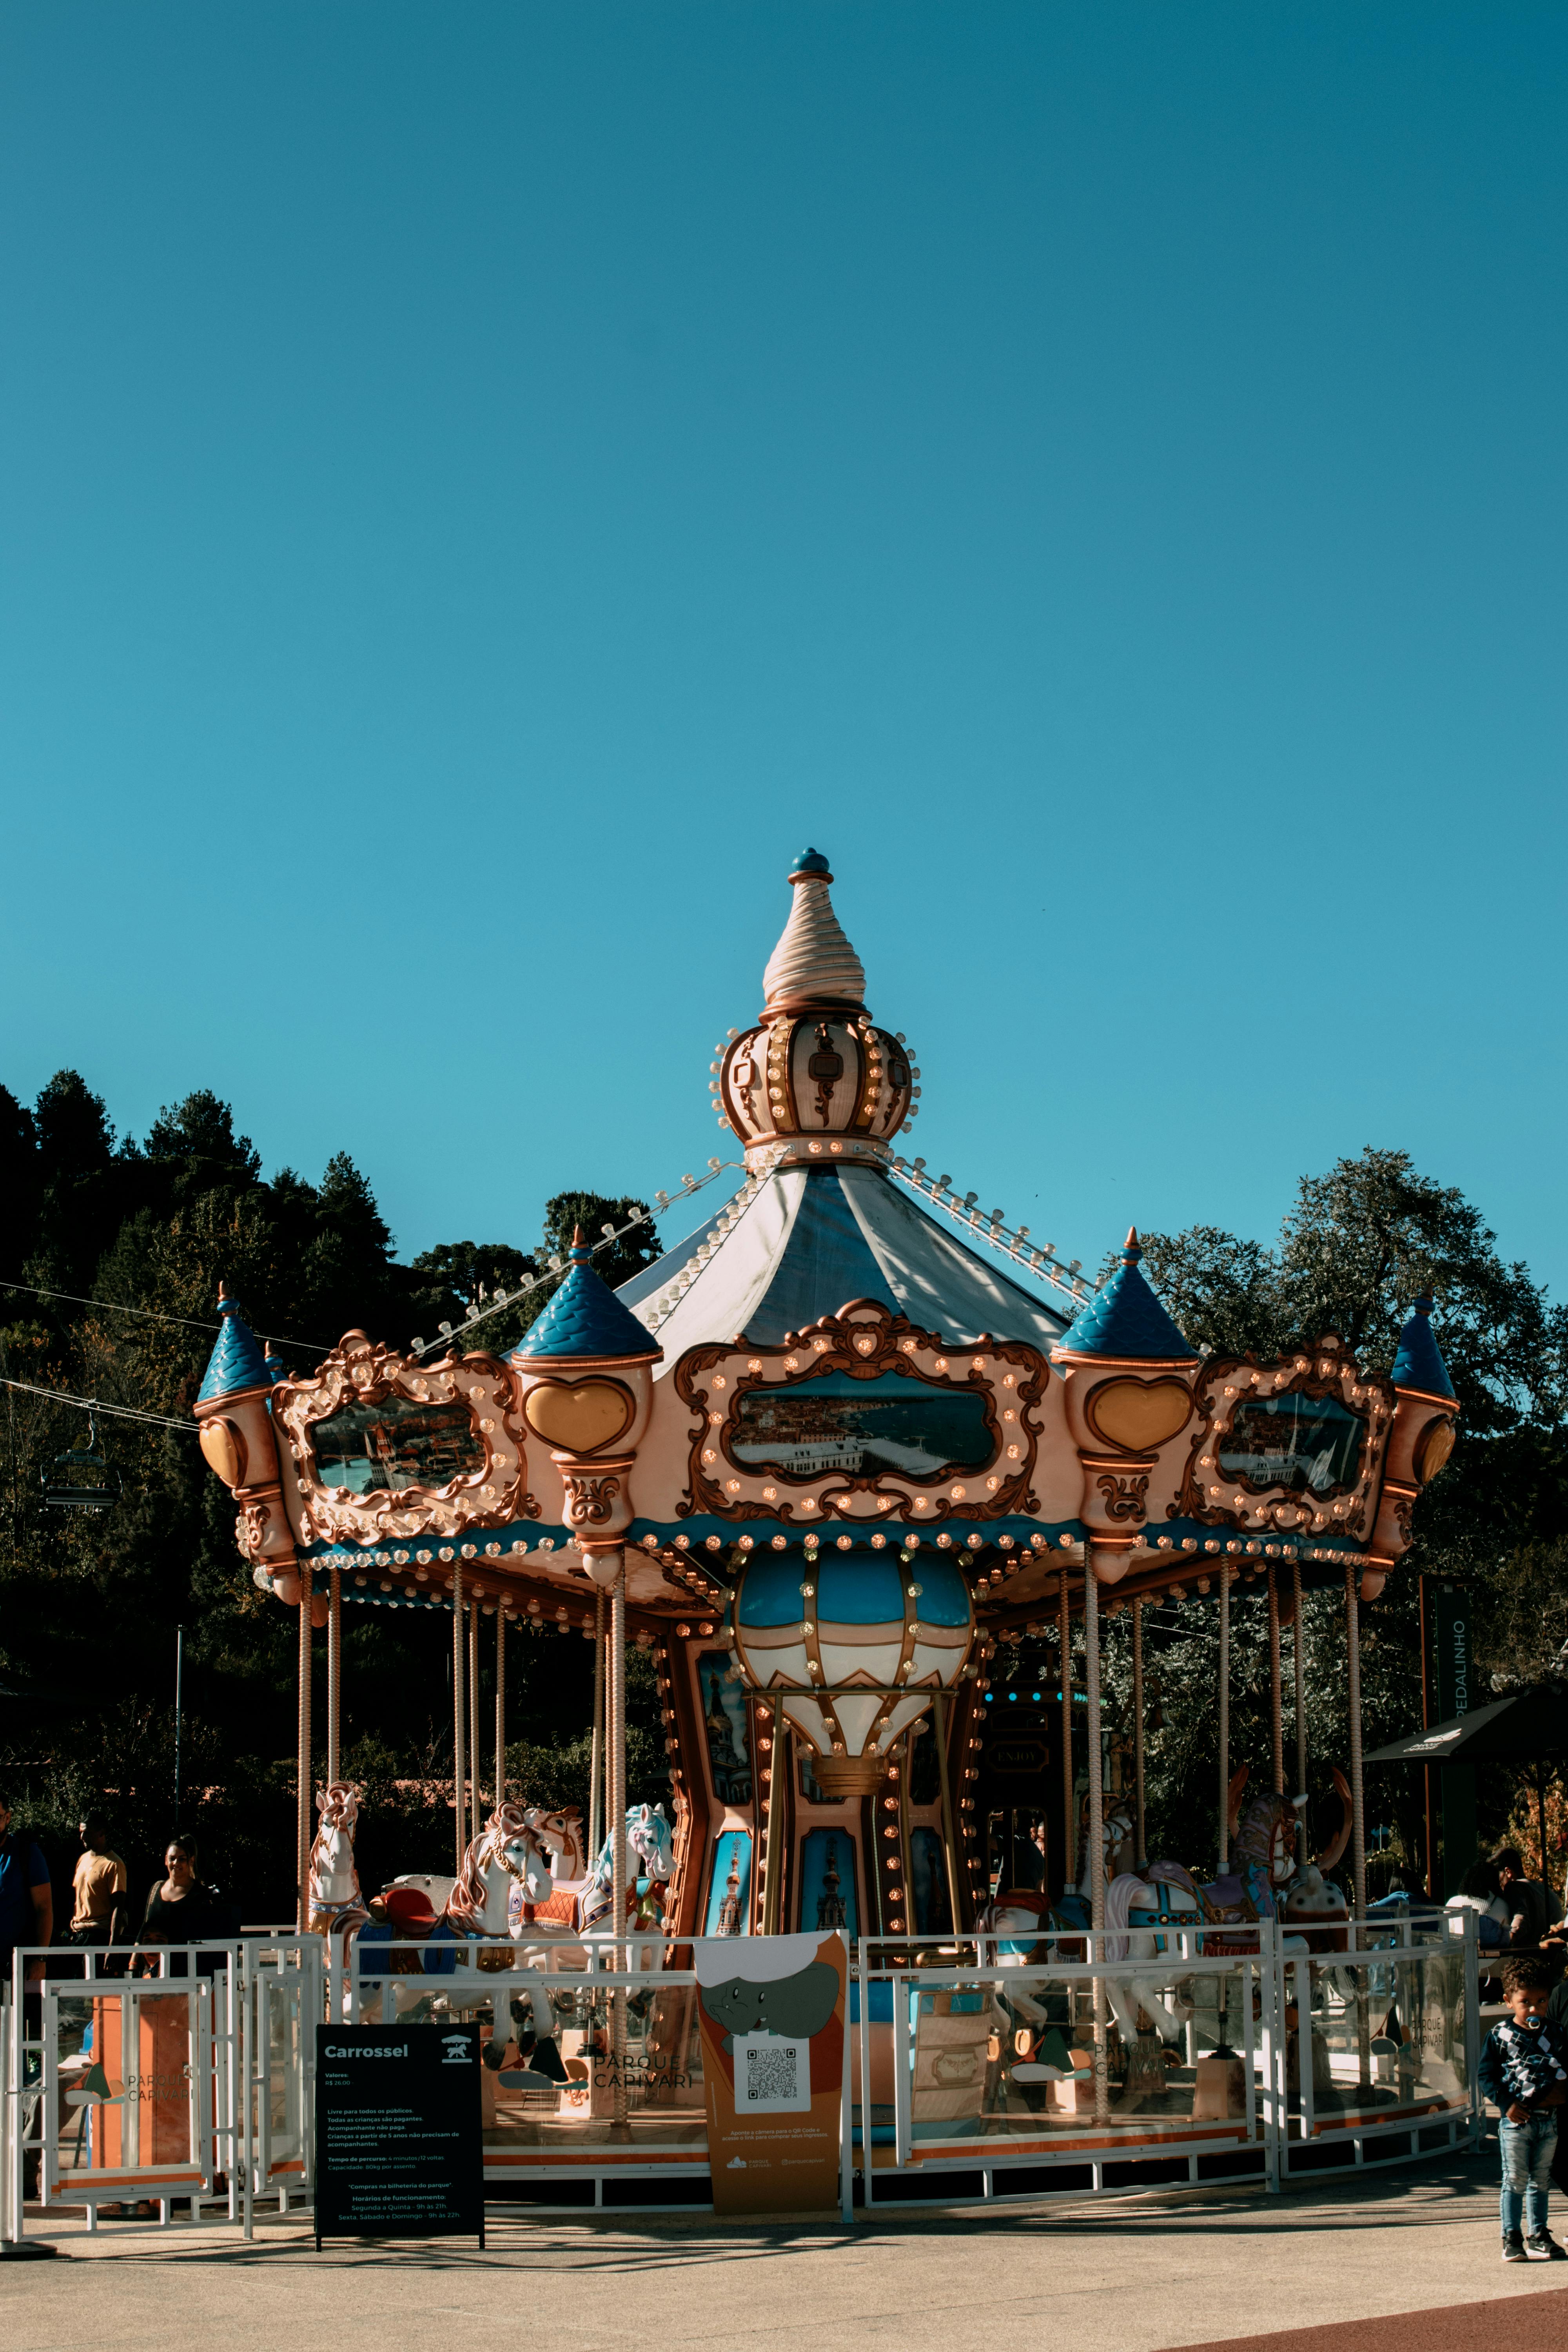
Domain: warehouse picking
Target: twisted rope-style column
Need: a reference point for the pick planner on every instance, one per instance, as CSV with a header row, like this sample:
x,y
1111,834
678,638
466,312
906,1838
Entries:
x,y
460,1726
1299,1668
618,1833
302,1836
1224,1719
1275,1698
500,1704
1142,1853
1358,1809
335,1675
476,1808
1095,1864
1063,1643
597,1766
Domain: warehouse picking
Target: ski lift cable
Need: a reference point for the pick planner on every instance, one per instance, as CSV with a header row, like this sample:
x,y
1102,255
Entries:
x,y
151,1314
97,1404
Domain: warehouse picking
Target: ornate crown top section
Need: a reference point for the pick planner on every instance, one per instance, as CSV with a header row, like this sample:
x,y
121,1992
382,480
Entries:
x,y
1418,1364
585,1318
236,1361
1125,1318
814,962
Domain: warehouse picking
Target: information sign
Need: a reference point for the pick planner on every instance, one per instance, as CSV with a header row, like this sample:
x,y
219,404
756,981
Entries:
x,y
398,2148
772,2010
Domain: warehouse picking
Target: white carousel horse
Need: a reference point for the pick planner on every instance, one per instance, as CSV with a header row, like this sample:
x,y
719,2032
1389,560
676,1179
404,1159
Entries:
x,y
505,1856
574,1919
335,1906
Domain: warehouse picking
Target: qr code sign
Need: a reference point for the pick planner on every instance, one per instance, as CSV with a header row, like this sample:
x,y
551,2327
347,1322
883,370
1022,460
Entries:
x,y
772,2076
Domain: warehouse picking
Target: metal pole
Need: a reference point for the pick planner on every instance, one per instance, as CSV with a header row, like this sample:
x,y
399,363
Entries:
x,y
777,1787
335,1675
1224,1719
501,1704
618,1833
1299,1668
1276,1698
476,1807
597,1769
179,1711
303,1809
942,1722
1096,1829
1358,1812
1142,1851
459,1766
1063,1643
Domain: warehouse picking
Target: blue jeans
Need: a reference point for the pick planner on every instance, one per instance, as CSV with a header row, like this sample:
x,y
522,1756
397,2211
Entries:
x,y
1528,2149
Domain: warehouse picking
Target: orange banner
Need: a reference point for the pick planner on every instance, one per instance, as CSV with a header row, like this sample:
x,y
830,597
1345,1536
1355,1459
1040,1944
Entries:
x,y
772,2011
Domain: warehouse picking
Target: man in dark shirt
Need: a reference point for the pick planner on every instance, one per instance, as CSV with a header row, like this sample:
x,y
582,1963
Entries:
x,y
1530,1911
27,1898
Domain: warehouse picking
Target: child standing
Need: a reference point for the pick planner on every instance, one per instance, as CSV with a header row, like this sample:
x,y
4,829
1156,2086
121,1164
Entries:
x,y
1524,2072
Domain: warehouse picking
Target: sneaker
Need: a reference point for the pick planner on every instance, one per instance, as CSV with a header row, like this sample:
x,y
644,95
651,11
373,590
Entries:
x,y
1542,2247
1513,2246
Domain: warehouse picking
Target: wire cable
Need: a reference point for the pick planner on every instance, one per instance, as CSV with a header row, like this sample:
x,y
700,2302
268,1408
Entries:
x,y
151,1314
96,1404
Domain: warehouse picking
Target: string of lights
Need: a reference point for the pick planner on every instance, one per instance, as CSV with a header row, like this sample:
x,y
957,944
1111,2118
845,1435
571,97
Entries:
x,y
1009,1242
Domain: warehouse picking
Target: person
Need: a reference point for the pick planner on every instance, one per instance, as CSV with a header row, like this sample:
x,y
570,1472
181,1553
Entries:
x,y
180,1908
1530,1910
98,1888
26,1897
1524,2073
1480,1891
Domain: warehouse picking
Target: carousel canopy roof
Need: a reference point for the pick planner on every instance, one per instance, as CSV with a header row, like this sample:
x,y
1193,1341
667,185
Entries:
x,y
584,1317
810,1239
1125,1318
236,1361
1418,1364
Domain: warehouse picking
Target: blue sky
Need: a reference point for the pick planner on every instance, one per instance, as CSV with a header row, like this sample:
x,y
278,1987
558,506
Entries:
x,y
481,488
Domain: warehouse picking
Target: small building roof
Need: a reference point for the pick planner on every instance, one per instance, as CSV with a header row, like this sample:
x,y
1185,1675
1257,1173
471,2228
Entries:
x,y
1418,1364
236,1361
1124,1318
584,1317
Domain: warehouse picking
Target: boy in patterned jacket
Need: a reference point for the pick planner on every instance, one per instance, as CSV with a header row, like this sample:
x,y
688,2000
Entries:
x,y
1524,2072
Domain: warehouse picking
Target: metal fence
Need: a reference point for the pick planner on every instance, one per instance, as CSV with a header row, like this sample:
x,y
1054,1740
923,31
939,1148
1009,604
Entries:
x,y
180,2081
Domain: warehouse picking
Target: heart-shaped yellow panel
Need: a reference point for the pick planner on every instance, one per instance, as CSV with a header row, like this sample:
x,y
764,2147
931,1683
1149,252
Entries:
x,y
579,1416
1137,1415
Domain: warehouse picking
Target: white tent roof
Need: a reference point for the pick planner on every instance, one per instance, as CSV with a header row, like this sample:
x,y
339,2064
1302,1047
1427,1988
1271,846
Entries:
x,y
813,1239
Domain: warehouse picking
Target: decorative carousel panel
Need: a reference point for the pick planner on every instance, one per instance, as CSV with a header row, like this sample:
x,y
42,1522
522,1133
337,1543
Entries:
x,y
381,1447
1295,1447
863,1418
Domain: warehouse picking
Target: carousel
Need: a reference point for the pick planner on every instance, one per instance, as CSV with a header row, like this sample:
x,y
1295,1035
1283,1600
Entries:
x,y
837,1459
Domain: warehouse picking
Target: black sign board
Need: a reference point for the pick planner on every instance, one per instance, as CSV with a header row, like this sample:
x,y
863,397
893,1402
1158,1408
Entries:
x,y
398,2150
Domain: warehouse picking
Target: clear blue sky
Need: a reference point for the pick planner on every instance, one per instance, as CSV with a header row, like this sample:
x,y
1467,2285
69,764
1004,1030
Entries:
x,y
481,486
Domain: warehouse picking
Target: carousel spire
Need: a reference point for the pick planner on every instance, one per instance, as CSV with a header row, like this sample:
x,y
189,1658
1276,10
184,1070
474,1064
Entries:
x,y
1125,1318
813,963
584,1317
236,1361
1418,1364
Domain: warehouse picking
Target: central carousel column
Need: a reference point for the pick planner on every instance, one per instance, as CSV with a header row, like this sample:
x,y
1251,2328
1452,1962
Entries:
x,y
585,1373
1128,1371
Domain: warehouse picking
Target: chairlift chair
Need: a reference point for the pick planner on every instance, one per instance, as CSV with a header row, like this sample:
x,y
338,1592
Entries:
x,y
83,1479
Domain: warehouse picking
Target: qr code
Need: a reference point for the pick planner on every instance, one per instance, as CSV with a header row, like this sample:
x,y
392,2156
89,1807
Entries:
x,y
772,2075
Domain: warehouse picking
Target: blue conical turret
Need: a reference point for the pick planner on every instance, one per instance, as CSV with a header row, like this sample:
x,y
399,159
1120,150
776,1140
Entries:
x,y
236,1361
587,1318
1418,1364
1125,1318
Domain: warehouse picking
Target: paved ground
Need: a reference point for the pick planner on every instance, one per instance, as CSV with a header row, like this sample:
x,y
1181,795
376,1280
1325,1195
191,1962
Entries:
x,y
1132,2276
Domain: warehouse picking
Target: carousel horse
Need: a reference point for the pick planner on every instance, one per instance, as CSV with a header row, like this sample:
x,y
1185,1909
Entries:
x,y
574,1918
505,1856
561,1834
335,1906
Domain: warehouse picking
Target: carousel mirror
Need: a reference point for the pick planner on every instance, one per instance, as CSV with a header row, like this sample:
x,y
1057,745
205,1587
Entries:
x,y
397,1442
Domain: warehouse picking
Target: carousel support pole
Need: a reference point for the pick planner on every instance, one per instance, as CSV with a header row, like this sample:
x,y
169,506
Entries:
x,y
335,1676
1276,1699
618,1838
773,1891
941,1724
1224,1719
1358,1812
1096,1829
1299,1669
597,1766
500,1704
1070,1811
1142,1854
459,1763
475,1806
304,1808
